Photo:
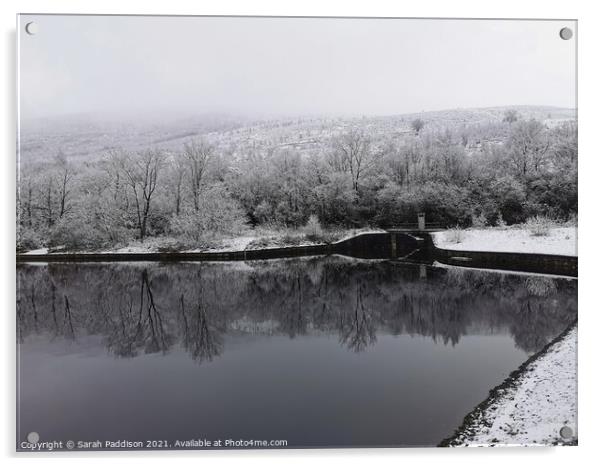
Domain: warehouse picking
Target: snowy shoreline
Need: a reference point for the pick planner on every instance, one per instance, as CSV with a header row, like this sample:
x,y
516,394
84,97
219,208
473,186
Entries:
x,y
230,245
532,405
560,240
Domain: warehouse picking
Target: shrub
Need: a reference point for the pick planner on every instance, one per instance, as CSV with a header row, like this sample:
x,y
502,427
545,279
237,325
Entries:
x,y
326,237
290,239
263,213
510,196
455,235
500,222
28,239
261,243
479,221
572,220
336,200
77,233
442,203
313,227
316,234
218,214
539,225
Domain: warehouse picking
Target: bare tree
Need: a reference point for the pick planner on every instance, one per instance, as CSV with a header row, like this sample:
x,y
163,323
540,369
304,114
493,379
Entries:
x,y
565,144
528,145
65,175
25,200
402,162
141,172
56,185
353,154
177,170
48,200
198,154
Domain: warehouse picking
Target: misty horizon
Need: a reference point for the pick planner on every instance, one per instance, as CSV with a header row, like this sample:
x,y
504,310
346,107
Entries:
x,y
128,66
174,116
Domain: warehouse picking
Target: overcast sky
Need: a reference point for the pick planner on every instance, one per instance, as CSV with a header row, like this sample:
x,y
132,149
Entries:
x,y
271,66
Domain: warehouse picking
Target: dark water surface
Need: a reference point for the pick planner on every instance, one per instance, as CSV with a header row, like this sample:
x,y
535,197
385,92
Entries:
x,y
316,351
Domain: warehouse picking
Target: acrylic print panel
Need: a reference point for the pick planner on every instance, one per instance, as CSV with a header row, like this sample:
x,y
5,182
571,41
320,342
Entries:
x,y
254,232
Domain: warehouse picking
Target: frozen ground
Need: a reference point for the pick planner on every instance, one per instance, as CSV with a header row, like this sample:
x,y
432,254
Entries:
x,y
532,408
233,244
37,251
561,240
261,240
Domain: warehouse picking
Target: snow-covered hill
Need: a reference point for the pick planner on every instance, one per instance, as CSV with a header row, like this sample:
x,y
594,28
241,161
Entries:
x,y
87,138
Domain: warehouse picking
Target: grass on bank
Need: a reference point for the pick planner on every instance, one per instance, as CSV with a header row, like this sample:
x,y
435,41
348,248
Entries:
x,y
260,237
538,226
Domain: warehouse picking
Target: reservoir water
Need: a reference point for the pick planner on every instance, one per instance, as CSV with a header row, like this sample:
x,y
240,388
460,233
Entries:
x,y
316,352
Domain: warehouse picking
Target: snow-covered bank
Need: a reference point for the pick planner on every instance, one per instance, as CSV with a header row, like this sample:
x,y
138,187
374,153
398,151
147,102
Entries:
x,y
257,241
531,408
561,241
37,251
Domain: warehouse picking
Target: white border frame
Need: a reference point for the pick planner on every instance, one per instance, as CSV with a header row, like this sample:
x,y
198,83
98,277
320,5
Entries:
x,y
590,170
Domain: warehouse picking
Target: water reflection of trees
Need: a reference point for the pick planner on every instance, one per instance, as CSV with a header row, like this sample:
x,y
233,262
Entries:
x,y
356,328
131,325
150,308
201,332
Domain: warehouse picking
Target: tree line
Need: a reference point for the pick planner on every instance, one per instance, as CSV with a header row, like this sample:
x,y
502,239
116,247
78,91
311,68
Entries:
x,y
518,169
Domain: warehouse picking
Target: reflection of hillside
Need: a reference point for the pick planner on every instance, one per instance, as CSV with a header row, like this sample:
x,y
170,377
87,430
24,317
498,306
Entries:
x,y
148,309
